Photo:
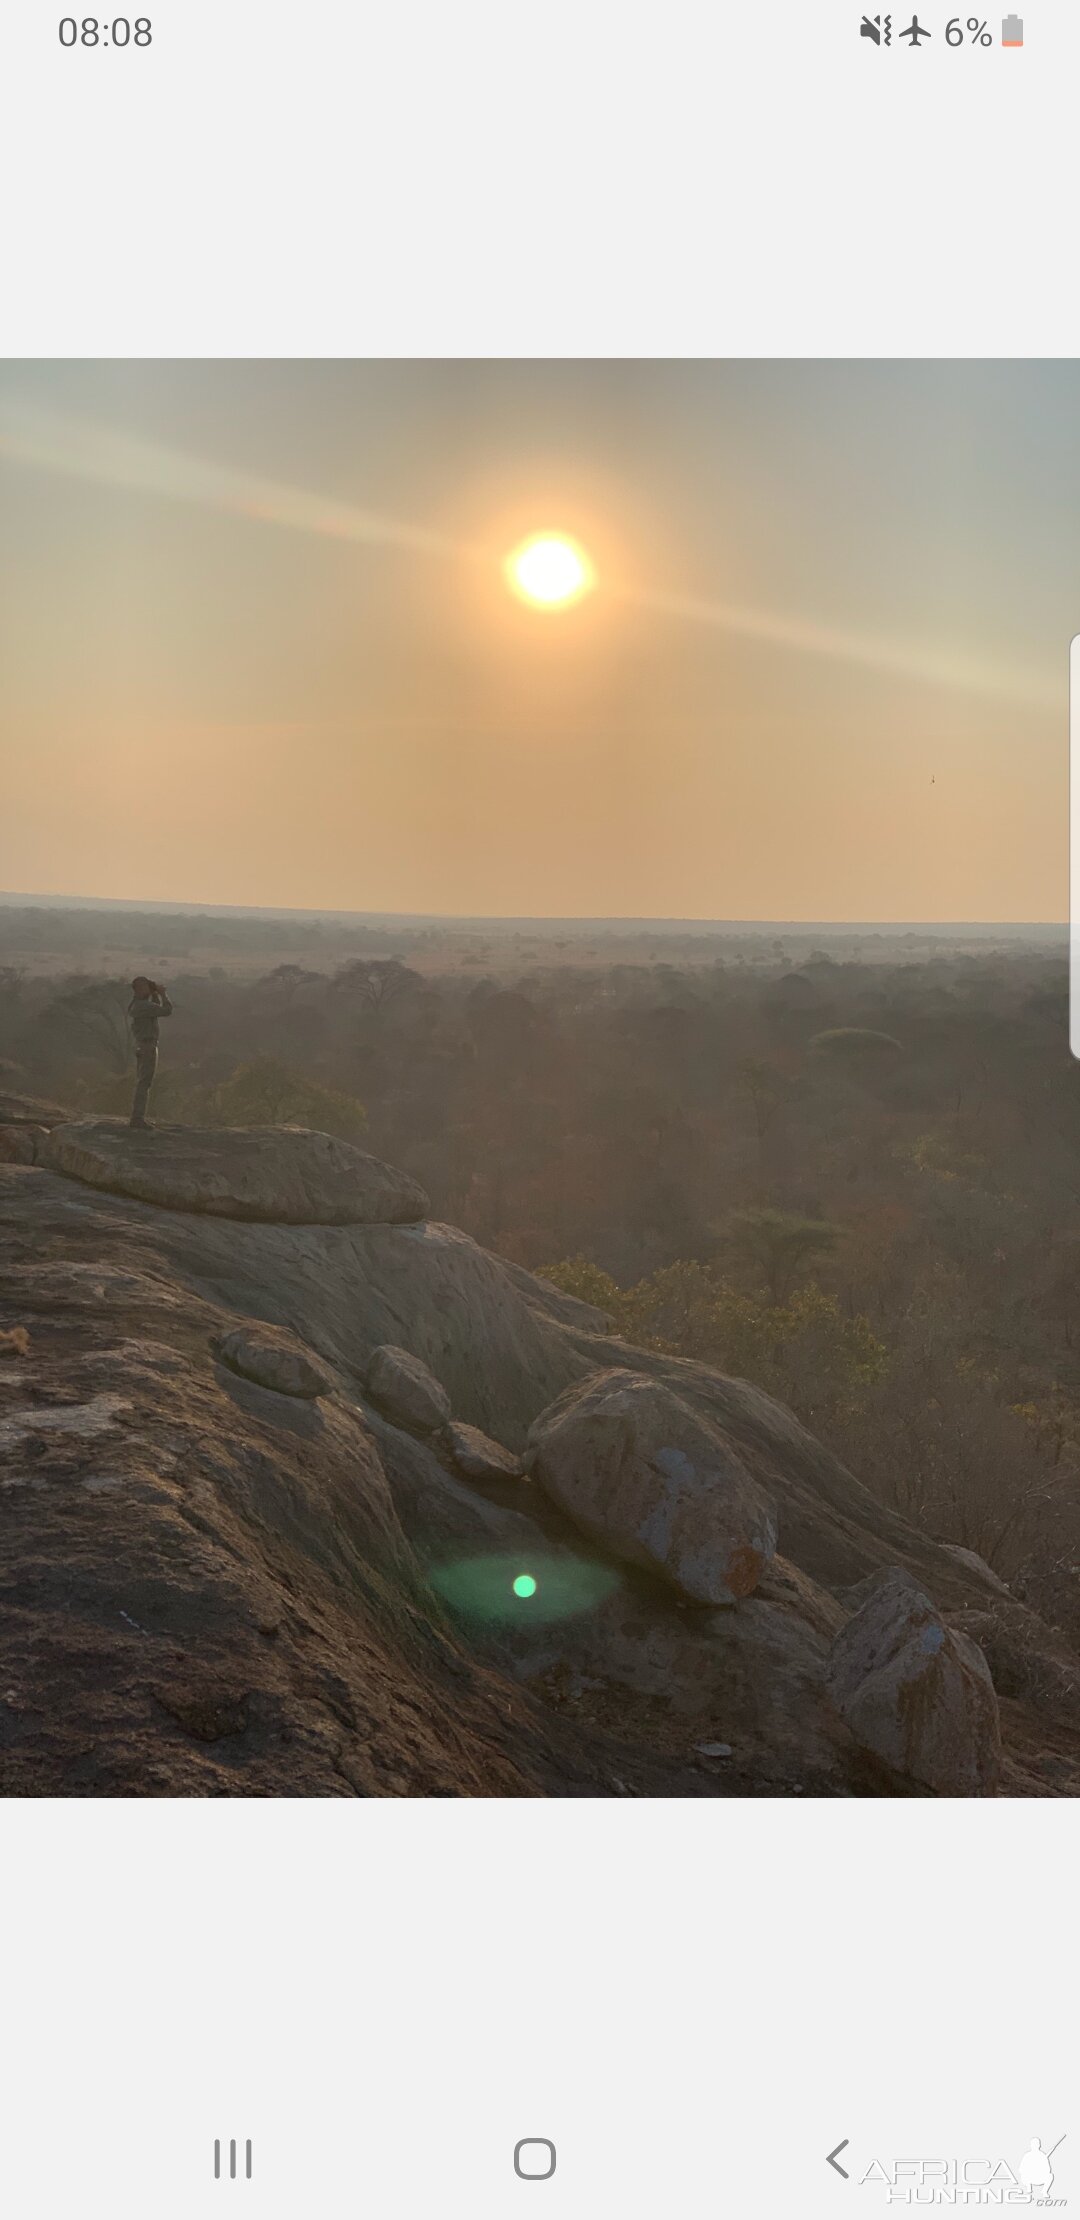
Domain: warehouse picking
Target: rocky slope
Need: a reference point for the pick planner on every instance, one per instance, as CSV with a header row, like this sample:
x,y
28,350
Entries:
x,y
303,1494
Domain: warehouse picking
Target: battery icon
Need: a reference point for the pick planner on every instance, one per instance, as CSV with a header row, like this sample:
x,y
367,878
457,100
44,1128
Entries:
x,y
1012,31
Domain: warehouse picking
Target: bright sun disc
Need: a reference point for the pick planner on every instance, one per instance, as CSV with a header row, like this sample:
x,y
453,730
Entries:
x,y
549,570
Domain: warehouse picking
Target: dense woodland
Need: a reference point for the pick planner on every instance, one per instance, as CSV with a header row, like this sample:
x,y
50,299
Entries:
x,y
848,1173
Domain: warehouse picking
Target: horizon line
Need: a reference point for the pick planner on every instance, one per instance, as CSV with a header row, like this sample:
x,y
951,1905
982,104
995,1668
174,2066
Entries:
x,y
178,906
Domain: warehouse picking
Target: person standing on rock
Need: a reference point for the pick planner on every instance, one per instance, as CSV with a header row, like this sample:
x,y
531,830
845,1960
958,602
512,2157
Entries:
x,y
149,1002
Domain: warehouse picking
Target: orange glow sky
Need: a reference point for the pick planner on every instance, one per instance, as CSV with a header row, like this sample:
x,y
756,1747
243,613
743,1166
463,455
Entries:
x,y
256,645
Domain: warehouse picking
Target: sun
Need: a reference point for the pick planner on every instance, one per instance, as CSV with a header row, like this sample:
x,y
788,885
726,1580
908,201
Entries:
x,y
549,570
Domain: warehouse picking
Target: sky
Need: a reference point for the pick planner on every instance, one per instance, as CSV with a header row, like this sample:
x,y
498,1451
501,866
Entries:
x,y
257,644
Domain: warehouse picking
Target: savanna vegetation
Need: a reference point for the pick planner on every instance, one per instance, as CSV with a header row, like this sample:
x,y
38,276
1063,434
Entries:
x,y
850,1175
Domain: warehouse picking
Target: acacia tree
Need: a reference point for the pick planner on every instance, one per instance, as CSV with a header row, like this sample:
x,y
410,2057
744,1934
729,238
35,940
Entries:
x,y
856,1047
97,1015
378,980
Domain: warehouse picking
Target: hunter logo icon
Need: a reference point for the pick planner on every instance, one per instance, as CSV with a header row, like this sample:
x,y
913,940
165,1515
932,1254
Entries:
x,y
1035,2170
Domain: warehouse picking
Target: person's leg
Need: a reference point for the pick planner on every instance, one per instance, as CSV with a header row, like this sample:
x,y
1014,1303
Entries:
x,y
145,1067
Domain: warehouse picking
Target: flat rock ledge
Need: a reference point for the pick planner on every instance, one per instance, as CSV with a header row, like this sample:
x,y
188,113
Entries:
x,y
279,1175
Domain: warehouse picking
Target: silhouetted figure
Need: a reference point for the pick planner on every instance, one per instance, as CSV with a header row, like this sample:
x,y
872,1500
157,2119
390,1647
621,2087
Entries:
x,y
1036,2172
149,1002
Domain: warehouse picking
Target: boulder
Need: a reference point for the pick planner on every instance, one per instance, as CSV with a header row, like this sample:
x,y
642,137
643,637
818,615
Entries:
x,y
973,1563
916,1692
283,1175
641,1472
480,1458
28,1110
273,1360
18,1143
446,1518
405,1390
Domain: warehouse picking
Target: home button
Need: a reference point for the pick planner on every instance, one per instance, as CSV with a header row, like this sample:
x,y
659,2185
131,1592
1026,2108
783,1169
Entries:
x,y
534,2159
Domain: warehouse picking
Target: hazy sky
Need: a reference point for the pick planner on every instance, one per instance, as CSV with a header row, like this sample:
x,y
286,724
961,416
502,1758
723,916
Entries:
x,y
256,645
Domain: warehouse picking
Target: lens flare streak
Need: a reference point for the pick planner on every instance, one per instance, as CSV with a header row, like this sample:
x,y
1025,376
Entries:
x,y
549,570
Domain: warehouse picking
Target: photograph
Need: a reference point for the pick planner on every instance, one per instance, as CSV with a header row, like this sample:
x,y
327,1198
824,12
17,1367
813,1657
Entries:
x,y
539,1192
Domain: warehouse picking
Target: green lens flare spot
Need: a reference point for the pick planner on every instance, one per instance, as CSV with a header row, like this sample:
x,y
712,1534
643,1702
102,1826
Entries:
x,y
487,1591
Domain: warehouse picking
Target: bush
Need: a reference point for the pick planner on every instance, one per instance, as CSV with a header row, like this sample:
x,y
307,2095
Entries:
x,y
269,1093
804,1351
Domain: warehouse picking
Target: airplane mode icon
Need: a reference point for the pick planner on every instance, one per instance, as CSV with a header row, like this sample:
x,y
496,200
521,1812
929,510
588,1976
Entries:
x,y
916,33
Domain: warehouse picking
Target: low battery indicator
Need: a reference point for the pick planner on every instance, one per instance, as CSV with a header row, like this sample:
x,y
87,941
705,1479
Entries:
x,y
1012,31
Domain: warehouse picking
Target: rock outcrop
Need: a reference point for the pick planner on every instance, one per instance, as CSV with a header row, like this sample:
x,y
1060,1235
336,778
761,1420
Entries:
x,y
19,1143
405,1390
235,1559
480,1458
305,1179
28,1110
916,1692
274,1360
637,1469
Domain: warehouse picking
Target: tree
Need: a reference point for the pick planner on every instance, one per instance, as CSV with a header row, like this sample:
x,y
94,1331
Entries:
x,y
504,1024
778,1243
856,1046
768,1089
268,1093
97,1015
805,1352
286,980
378,980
